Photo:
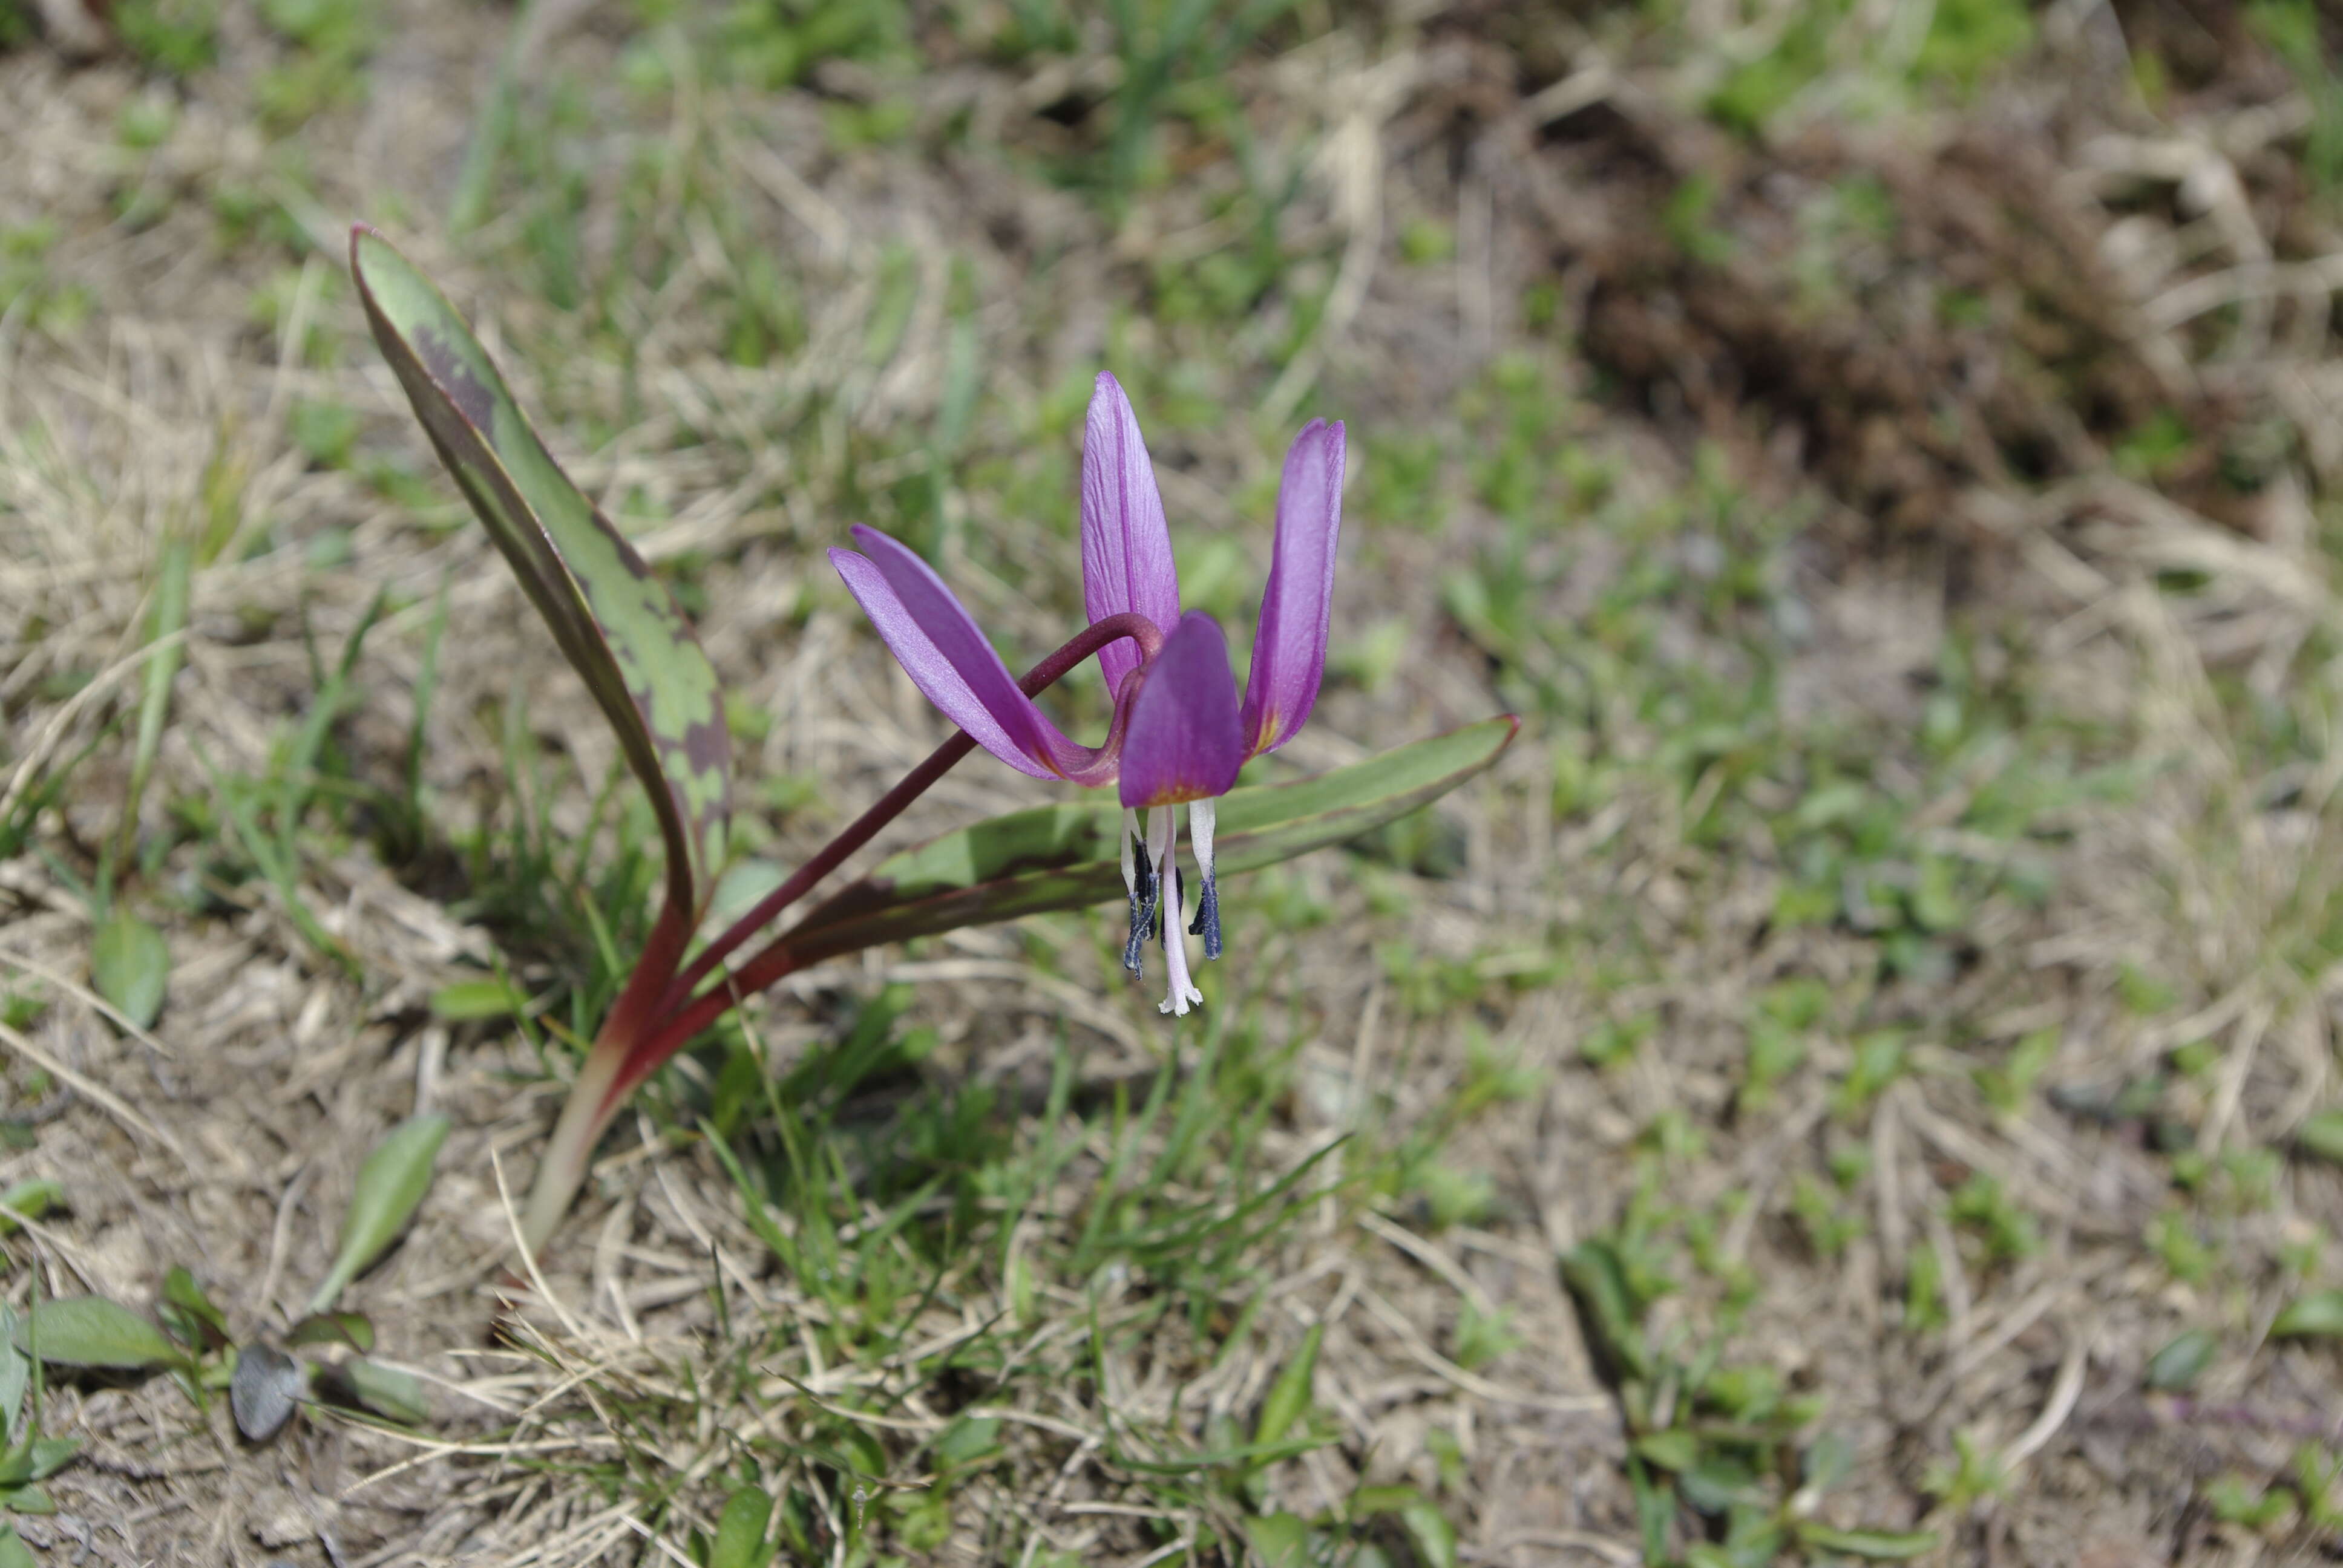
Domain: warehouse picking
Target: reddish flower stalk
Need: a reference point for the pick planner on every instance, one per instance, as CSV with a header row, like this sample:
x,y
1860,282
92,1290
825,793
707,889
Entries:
x,y
657,1014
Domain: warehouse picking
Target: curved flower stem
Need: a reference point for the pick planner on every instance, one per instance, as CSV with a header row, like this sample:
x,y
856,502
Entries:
x,y
657,1014
889,806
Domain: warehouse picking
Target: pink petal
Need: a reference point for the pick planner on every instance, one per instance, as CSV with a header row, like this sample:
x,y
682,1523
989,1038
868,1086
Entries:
x,y
949,658
1184,741
1126,547
1289,652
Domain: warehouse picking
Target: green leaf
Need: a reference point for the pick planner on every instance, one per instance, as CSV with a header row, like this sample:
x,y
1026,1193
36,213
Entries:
x,y
1288,1396
2180,1363
14,1552
466,1001
1674,1449
2319,1315
15,1373
26,1499
1872,1545
740,1530
130,964
30,1199
616,623
387,1390
2321,1137
38,1460
1607,1315
1280,1540
355,1330
1068,856
390,1184
1428,1530
189,1312
91,1331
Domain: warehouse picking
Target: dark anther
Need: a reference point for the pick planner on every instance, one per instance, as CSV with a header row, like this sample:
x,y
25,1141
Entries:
x,y
1143,896
1208,917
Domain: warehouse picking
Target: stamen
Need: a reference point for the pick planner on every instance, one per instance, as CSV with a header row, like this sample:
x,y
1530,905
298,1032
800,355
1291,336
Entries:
x,y
1162,836
1140,879
1202,816
1182,993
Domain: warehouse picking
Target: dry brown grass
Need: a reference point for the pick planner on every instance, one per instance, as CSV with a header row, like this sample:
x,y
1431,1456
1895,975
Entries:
x,y
599,1413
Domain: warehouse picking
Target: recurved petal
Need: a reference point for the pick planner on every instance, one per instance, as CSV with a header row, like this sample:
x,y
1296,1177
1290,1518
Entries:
x,y
1126,547
949,658
1289,652
1184,741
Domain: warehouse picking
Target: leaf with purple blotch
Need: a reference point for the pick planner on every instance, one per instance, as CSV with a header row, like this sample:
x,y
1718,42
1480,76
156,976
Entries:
x,y
616,623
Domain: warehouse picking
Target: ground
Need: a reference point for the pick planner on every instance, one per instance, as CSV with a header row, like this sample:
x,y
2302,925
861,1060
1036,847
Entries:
x,y
1852,1081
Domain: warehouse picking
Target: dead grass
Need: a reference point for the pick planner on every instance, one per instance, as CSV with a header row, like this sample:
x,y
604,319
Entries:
x,y
1948,498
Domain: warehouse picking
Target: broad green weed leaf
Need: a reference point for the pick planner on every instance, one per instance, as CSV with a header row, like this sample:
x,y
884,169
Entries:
x,y
91,1331
1280,1540
2321,1137
467,1000
385,1391
1598,1287
390,1184
1066,857
617,623
355,1330
189,1312
2180,1363
1871,1545
15,1375
30,1199
2319,1315
130,965
740,1530
1428,1530
1288,1396
26,1499
14,1552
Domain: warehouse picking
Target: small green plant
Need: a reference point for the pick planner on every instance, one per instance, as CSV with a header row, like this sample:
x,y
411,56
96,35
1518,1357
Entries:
x,y
1726,1467
264,1383
1177,741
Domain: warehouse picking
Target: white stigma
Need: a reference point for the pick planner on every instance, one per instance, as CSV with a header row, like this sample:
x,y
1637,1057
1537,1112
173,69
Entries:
x,y
1163,839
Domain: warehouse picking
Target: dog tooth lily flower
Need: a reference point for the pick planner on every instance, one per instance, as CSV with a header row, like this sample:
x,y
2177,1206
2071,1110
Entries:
x,y
1180,732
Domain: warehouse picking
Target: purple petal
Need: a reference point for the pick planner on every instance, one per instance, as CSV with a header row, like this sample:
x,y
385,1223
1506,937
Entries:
x,y
1184,743
1289,652
1126,548
949,658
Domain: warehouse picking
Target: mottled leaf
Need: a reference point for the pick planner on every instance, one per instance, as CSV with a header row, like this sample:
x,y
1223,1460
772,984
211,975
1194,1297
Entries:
x,y
2319,1315
616,623
1068,856
390,1184
266,1386
130,965
91,1331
